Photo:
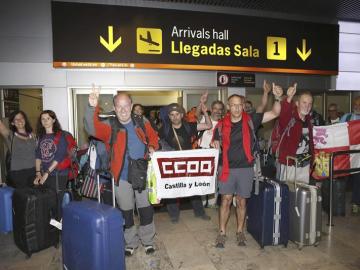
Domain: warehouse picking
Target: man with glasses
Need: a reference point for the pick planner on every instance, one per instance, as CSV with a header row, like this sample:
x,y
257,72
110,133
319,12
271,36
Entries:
x,y
235,133
333,115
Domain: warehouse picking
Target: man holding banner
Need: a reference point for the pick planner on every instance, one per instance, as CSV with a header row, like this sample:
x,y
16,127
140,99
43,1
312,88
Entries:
x,y
236,134
178,135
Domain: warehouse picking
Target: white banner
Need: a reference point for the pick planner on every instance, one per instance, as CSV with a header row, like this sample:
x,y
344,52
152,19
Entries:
x,y
185,173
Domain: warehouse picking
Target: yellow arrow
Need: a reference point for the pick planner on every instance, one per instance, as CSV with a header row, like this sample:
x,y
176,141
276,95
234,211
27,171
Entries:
x,y
303,54
111,46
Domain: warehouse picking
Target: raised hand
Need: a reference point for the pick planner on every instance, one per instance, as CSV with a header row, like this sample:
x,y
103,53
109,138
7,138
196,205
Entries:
x,y
291,91
203,98
266,87
94,96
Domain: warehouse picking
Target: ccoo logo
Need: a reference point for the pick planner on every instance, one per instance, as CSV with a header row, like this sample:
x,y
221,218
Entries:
x,y
186,167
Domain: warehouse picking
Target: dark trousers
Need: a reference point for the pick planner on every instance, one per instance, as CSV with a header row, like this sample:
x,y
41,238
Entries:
x,y
59,189
174,211
22,178
355,178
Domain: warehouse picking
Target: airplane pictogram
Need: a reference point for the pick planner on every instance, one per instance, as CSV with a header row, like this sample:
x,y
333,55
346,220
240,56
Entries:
x,y
149,39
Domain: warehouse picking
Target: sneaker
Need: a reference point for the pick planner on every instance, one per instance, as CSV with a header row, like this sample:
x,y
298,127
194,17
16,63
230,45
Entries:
x,y
240,239
129,251
355,209
220,241
204,217
149,249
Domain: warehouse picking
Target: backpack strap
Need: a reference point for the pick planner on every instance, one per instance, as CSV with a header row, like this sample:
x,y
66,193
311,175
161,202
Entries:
x,y
286,131
140,122
115,127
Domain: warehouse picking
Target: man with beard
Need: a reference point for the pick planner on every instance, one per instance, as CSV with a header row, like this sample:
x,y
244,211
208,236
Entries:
x,y
297,136
178,135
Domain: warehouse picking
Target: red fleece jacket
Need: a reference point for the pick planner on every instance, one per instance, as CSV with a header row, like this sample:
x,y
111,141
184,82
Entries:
x,y
291,141
103,132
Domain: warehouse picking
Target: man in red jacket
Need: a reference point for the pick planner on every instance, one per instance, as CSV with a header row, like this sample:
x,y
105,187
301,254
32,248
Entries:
x,y
131,141
297,132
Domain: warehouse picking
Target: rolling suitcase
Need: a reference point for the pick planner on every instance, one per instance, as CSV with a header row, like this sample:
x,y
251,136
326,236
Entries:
x,y
305,213
6,219
92,235
32,210
268,214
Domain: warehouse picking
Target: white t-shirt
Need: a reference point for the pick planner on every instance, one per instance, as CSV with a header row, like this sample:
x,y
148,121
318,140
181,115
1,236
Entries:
x,y
205,140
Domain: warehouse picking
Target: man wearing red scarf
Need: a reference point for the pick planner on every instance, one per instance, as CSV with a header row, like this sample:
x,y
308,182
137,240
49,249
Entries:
x,y
235,132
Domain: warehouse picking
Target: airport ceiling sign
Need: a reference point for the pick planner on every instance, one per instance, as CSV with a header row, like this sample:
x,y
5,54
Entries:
x,y
107,36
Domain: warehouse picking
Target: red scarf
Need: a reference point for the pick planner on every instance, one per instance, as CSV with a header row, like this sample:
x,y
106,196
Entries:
x,y
225,125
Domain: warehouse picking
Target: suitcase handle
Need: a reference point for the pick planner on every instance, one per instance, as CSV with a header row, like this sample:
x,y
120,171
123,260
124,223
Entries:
x,y
287,166
112,187
295,183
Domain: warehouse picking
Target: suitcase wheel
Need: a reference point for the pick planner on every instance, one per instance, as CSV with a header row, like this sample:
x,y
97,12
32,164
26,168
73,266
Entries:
x,y
285,245
300,247
56,245
28,255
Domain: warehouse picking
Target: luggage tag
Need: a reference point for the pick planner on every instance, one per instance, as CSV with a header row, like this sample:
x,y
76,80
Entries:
x,y
56,223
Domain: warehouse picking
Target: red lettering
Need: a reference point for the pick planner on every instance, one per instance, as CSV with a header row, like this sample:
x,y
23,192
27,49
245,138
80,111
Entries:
x,y
186,167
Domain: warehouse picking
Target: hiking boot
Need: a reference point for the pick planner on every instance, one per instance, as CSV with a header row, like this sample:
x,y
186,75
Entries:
x,y
220,241
129,251
355,209
149,249
240,239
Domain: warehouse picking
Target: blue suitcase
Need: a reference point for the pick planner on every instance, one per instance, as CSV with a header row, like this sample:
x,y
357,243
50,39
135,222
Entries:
x,y
268,214
6,219
92,236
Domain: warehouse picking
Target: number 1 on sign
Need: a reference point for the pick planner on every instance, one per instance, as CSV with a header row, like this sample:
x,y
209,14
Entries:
x,y
276,48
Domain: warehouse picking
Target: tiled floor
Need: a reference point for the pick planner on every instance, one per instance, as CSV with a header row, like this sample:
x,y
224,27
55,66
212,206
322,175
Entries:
x,y
190,245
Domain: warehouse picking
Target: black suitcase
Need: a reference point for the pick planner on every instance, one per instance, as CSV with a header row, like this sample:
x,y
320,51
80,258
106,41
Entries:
x,y
32,210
